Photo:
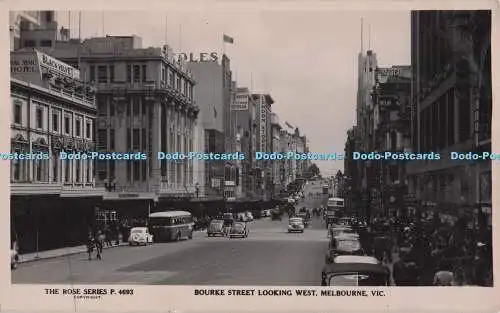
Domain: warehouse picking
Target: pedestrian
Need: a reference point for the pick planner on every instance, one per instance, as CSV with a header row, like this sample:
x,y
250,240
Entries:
x,y
90,245
99,244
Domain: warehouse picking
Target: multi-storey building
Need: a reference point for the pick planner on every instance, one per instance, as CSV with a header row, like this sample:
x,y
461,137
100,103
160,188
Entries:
x,y
244,127
278,187
53,112
214,96
353,199
32,29
145,103
391,122
367,63
264,103
451,107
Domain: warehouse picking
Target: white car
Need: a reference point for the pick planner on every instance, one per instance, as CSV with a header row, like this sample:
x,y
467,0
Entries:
x,y
266,213
140,236
296,224
242,217
14,259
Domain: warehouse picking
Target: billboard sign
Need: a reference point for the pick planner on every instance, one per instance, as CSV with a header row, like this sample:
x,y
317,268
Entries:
x,y
241,100
383,74
57,67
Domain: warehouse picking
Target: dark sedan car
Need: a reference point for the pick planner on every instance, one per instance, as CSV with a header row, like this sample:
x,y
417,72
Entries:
x,y
216,228
239,230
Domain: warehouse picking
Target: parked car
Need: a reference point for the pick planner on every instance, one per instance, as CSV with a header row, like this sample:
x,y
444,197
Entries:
x,y
140,236
355,274
14,259
239,230
216,228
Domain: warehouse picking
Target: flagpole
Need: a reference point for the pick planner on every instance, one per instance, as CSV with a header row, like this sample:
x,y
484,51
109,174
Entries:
x,y
223,46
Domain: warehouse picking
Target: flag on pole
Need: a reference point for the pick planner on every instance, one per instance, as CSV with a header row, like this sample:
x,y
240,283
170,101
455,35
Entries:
x,y
228,39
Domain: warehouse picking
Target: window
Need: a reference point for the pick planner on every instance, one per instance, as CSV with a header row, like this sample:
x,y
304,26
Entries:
x,y
163,73
178,85
129,139
137,169
55,122
129,170
128,107
137,73
112,139
136,140
89,172
144,139
144,106
78,130
129,74
67,170
16,165
92,73
77,170
111,73
18,113
102,74
171,78
55,167
102,139
102,108
144,170
45,43
111,109
135,102
144,73
88,132
29,43
112,166
67,125
39,117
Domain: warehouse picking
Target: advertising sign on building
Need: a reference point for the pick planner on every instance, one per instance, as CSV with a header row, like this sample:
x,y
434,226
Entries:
x,y
56,66
396,71
198,57
241,100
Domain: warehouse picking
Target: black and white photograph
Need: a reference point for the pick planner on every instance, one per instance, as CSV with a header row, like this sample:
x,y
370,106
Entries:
x,y
233,148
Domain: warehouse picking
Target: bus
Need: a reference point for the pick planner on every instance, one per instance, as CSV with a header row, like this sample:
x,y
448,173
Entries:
x,y
171,225
335,206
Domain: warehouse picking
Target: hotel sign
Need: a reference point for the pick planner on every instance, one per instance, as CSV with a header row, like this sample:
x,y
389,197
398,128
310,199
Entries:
x,y
57,66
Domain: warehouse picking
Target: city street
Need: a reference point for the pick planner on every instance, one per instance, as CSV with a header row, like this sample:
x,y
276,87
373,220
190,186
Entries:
x,y
269,256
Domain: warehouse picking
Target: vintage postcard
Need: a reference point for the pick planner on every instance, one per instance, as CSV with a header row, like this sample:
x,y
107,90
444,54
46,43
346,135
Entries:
x,y
259,156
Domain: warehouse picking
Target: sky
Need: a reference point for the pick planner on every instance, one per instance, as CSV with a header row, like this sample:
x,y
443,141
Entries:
x,y
307,60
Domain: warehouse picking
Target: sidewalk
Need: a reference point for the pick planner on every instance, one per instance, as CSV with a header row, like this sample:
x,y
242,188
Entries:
x,y
50,254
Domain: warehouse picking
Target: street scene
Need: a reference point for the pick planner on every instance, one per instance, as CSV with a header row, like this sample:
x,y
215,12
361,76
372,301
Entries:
x,y
210,161
269,256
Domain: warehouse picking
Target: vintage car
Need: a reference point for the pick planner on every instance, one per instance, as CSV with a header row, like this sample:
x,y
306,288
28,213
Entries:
x,y
296,224
345,245
14,259
355,275
337,230
216,228
140,236
239,230
305,217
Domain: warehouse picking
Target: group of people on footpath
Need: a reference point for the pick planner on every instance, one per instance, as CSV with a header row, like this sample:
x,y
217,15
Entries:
x,y
430,252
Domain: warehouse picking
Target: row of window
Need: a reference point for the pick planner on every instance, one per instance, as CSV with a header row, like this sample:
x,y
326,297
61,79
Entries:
x,y
138,73
73,171
68,122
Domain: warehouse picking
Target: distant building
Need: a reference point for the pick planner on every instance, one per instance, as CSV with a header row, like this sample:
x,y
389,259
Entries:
x,y
264,103
278,187
53,112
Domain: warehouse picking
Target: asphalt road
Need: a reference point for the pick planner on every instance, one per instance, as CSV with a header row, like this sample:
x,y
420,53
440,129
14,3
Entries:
x,y
269,256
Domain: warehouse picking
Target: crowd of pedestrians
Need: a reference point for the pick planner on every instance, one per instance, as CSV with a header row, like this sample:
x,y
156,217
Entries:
x,y
431,252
